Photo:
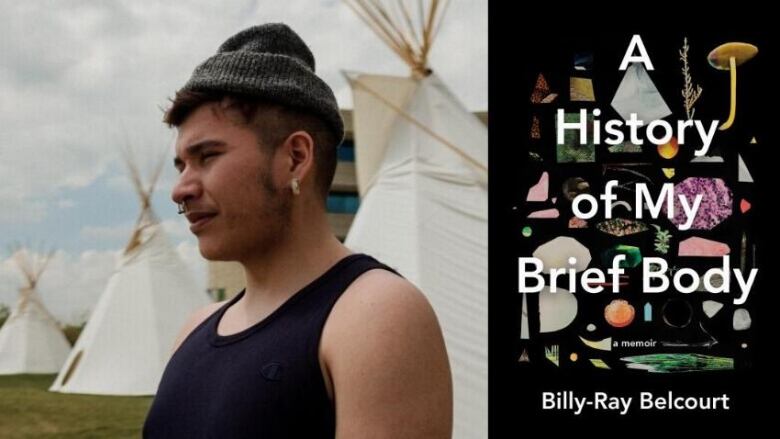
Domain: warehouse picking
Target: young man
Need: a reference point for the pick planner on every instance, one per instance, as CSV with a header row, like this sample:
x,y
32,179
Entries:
x,y
322,343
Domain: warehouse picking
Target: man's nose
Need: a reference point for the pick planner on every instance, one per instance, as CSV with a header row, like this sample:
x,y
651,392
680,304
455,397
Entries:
x,y
187,187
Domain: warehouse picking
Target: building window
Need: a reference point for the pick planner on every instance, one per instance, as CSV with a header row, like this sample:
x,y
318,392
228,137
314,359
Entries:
x,y
343,203
346,152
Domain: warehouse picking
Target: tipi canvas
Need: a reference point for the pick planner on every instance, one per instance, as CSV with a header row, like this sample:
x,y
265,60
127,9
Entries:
x,y
421,163
31,340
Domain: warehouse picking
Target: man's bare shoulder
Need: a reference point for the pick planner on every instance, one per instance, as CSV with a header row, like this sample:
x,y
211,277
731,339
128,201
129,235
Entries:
x,y
195,319
383,289
384,353
380,297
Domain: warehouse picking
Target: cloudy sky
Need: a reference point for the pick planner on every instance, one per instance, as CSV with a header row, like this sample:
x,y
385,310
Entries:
x,y
81,79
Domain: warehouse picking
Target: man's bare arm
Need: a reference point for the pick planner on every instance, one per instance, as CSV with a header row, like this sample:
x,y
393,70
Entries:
x,y
384,354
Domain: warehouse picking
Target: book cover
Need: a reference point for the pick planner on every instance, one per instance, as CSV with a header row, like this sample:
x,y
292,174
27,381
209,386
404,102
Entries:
x,y
631,209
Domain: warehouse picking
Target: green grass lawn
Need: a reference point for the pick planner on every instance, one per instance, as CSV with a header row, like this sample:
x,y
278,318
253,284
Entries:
x,y
29,410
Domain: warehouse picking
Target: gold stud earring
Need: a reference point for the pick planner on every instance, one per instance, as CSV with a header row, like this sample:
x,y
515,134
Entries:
x,y
296,187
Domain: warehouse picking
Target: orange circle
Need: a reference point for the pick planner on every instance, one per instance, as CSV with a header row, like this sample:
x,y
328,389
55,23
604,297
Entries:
x,y
619,313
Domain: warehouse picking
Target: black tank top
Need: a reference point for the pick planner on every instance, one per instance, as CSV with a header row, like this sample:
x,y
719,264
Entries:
x,y
262,382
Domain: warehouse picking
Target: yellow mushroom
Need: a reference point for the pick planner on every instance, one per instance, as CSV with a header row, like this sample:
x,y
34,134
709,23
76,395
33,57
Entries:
x,y
727,57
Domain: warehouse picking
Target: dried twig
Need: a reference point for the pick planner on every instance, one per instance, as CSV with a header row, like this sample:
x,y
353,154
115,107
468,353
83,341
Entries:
x,y
690,96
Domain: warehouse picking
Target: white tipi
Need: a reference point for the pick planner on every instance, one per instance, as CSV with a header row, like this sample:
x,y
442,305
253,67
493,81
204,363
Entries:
x,y
127,341
31,340
421,164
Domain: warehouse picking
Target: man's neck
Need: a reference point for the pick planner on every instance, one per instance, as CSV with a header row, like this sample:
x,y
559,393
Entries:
x,y
307,250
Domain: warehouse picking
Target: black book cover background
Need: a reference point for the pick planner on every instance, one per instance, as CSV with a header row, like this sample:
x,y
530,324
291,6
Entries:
x,y
515,388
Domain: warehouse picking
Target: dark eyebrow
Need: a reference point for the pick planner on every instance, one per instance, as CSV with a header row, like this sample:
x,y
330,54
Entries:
x,y
195,149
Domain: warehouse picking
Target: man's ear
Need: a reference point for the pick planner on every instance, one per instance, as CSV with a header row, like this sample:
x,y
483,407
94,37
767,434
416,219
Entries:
x,y
299,154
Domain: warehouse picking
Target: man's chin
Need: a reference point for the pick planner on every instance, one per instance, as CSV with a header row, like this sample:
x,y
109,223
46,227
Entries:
x,y
212,252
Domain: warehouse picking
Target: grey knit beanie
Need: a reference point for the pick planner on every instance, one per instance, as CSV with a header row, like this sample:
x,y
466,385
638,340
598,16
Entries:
x,y
271,62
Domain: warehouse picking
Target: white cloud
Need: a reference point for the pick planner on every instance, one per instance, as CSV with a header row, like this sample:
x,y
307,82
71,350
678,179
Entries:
x,y
79,80
18,210
66,203
114,233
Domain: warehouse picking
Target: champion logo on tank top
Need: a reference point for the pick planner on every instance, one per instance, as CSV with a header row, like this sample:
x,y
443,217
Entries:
x,y
272,371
